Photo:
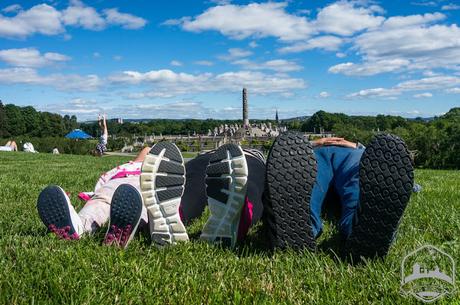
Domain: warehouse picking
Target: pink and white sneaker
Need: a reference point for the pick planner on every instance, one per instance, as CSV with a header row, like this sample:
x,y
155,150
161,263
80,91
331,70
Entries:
x,y
58,214
125,215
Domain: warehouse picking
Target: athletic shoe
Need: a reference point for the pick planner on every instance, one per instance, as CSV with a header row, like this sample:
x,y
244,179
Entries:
x,y
162,186
125,215
290,176
226,184
58,214
386,181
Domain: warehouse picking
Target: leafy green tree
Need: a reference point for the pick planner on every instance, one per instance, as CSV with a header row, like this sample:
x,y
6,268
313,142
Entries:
x,y
32,120
15,121
3,122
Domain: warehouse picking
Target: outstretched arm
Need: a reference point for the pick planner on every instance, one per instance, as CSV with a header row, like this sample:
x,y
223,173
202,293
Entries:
x,y
141,156
334,141
105,125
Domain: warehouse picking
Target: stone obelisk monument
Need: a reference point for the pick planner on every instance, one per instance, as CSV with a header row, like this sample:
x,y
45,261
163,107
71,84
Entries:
x,y
245,108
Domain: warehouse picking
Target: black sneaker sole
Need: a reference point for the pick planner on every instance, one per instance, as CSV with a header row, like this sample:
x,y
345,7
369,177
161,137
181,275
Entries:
x,y
386,181
226,185
290,176
125,215
52,206
162,186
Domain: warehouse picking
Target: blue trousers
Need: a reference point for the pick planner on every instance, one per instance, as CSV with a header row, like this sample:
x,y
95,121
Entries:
x,y
338,167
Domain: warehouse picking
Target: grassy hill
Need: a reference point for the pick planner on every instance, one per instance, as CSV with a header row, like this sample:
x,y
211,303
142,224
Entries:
x,y
37,268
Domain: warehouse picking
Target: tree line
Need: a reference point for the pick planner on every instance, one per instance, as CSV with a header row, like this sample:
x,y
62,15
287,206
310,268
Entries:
x,y
435,142
26,121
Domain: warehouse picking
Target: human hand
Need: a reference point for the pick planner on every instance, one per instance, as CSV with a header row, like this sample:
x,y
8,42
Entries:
x,y
335,142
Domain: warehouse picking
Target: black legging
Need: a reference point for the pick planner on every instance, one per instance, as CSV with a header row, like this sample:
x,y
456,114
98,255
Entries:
x,y
194,199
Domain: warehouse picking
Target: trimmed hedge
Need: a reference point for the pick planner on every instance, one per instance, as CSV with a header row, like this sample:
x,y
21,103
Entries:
x,y
65,146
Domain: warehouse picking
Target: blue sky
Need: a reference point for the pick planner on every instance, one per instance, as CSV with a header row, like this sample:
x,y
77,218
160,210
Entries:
x,y
190,59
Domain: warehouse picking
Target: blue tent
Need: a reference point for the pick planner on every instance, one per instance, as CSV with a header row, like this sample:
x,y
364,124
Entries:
x,y
78,134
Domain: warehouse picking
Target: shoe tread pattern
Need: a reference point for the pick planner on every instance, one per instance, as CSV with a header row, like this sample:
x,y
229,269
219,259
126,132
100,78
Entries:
x,y
290,176
386,181
126,206
52,208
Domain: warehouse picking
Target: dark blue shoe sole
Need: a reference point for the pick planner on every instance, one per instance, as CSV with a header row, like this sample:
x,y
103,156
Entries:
x,y
386,181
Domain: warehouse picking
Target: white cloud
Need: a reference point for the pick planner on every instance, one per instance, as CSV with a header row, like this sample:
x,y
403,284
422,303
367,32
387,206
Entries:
x,y
30,57
167,83
428,83
271,19
235,53
126,21
42,19
329,43
253,44
346,18
117,57
425,3
369,68
278,65
80,15
96,55
64,82
13,8
253,20
450,7
175,63
374,92
423,95
324,94
455,90
406,43
47,20
204,63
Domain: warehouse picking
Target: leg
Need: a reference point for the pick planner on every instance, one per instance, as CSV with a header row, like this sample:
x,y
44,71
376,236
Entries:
x,y
96,211
345,164
323,156
194,199
13,145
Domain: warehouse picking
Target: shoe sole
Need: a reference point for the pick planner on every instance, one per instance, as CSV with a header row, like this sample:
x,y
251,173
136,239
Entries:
x,y
125,215
386,181
162,185
290,176
226,185
52,206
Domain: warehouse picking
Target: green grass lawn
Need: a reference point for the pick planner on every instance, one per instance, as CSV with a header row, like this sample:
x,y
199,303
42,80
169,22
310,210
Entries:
x,y
35,267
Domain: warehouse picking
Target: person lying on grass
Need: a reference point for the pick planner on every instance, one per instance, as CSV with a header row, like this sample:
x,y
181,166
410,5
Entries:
x,y
287,191
9,146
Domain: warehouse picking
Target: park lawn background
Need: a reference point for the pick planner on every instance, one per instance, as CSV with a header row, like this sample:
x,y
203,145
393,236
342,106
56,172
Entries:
x,y
37,268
